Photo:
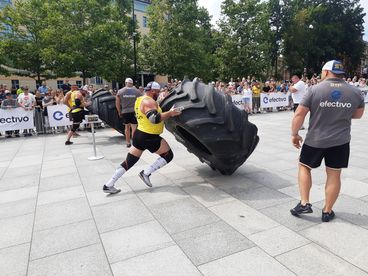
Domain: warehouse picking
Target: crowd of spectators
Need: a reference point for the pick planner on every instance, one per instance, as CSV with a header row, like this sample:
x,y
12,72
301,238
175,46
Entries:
x,y
38,101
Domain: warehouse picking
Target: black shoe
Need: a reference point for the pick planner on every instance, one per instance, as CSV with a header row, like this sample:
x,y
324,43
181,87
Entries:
x,y
110,190
301,209
17,135
326,217
128,145
8,136
67,143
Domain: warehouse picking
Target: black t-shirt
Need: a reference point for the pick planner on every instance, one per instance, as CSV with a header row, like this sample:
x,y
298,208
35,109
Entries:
x,y
266,89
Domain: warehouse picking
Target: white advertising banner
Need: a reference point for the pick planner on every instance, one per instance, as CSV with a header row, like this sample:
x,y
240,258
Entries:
x,y
16,119
365,93
274,100
241,100
58,115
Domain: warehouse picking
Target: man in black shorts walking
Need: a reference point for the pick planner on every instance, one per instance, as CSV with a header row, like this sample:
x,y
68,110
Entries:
x,y
332,104
125,100
147,137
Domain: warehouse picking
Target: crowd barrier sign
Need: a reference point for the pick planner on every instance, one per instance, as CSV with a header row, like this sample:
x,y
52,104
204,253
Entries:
x,y
365,94
274,100
16,119
58,115
240,100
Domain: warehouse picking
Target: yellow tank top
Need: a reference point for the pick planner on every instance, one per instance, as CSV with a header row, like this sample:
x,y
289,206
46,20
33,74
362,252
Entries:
x,y
144,124
72,102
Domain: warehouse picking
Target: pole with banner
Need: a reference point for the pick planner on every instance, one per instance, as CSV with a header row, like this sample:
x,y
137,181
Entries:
x,y
93,119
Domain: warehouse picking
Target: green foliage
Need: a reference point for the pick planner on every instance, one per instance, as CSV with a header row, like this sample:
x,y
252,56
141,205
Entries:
x,y
320,31
179,43
245,39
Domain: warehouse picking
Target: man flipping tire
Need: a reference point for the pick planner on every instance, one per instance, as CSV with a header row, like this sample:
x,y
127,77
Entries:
x,y
147,137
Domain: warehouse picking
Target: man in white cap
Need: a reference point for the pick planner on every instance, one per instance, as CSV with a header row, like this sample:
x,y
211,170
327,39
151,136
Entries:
x,y
147,137
332,104
125,100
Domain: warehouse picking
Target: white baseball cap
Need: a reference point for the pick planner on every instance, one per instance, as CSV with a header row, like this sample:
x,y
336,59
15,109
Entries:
x,y
334,66
128,80
153,85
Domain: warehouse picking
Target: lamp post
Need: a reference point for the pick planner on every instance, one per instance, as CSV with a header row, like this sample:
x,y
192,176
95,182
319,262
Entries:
x,y
134,34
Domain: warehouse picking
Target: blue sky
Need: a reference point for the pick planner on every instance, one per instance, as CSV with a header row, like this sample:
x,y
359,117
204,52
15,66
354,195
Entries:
x,y
214,8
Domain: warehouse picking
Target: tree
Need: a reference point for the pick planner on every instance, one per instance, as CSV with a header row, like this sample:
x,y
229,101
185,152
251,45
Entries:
x,y
22,42
323,30
91,37
245,34
179,43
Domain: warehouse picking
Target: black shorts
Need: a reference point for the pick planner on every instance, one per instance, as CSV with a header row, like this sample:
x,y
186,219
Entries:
x,y
129,118
144,141
335,157
295,107
78,117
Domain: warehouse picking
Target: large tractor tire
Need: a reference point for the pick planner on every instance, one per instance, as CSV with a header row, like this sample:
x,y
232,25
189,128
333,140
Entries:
x,y
103,104
211,126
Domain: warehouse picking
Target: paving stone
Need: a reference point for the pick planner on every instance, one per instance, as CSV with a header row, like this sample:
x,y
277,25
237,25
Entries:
x,y
243,218
161,195
210,242
24,171
343,239
61,213
234,185
58,171
14,260
16,230
278,240
14,183
262,197
317,192
18,194
59,182
272,180
60,195
157,180
64,238
180,215
17,208
59,163
164,262
350,209
281,214
354,188
208,195
99,198
316,261
355,173
96,182
249,262
86,261
120,214
133,241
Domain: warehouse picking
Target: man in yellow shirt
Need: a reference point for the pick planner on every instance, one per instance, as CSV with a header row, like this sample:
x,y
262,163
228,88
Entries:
x,y
147,137
256,91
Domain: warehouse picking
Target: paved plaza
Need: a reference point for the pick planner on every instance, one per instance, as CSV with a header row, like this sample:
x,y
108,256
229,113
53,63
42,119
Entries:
x,y
55,220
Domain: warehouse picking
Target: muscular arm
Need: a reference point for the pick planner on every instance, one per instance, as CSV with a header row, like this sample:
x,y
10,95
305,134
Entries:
x,y
66,99
298,119
148,105
118,104
358,113
292,89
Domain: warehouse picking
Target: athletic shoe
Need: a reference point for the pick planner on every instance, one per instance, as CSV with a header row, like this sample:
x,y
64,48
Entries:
x,y
326,217
110,190
67,143
17,135
8,136
145,178
301,209
128,145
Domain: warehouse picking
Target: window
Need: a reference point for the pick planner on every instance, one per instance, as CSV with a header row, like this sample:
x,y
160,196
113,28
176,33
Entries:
x,y
78,83
99,80
145,21
15,84
60,84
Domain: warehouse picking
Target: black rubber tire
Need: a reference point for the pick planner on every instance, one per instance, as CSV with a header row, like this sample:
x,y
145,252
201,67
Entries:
x,y
103,104
211,126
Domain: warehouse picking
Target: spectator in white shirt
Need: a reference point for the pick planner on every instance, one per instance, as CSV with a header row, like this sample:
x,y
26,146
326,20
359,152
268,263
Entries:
x,y
297,90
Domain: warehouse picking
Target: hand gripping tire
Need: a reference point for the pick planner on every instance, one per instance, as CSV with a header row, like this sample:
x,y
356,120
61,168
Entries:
x,y
211,126
103,104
